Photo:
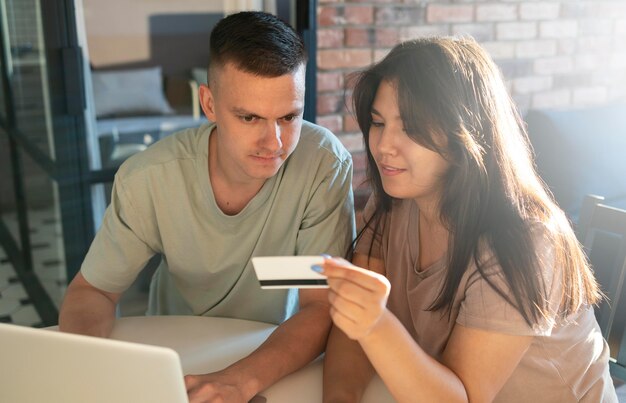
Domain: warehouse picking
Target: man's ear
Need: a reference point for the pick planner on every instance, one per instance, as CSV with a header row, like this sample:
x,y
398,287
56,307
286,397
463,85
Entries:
x,y
207,102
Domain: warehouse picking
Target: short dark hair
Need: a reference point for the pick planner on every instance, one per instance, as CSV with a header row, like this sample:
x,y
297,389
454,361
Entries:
x,y
257,43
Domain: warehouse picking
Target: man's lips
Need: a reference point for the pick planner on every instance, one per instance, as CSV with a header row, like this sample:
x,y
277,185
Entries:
x,y
266,157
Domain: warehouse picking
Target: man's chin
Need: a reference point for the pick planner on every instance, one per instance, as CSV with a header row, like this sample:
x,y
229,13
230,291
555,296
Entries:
x,y
265,172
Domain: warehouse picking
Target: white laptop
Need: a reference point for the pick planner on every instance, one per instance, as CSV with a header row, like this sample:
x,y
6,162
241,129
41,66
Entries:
x,y
39,365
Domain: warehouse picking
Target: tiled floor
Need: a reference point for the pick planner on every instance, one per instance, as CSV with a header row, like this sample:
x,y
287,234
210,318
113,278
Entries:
x,y
15,306
49,265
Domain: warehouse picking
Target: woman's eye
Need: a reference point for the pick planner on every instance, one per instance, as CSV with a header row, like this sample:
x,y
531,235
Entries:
x,y
377,124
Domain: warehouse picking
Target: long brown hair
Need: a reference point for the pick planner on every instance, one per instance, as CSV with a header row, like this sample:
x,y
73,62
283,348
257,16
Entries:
x,y
451,87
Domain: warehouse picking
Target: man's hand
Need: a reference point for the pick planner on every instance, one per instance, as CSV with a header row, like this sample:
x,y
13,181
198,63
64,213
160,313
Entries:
x,y
215,387
292,345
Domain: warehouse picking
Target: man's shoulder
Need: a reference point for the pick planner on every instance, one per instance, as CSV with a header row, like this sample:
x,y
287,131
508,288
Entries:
x,y
317,140
182,145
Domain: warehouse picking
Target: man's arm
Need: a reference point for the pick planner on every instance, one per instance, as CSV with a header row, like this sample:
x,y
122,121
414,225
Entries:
x,y
292,345
347,370
87,310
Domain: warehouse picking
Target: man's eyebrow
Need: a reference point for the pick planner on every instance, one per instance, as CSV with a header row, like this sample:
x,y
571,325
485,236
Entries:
x,y
295,112
244,112
241,111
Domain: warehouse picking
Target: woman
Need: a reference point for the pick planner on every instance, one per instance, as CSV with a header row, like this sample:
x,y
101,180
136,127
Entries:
x,y
467,282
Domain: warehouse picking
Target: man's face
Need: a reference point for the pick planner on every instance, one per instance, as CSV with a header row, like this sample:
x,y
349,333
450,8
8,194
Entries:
x,y
258,121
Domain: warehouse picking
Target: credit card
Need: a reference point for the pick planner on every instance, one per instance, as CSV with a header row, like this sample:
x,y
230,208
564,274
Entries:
x,y
288,272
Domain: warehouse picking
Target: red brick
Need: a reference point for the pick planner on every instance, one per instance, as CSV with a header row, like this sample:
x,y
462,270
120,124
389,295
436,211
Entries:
x,y
539,11
350,124
372,1
535,48
558,29
331,122
387,36
359,160
554,65
413,32
496,12
527,85
397,15
359,181
329,38
380,54
327,16
480,31
327,104
329,81
339,59
353,142
449,13
359,14
358,37
516,30
500,50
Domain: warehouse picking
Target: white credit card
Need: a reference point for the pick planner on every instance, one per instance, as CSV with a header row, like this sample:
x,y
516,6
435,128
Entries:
x,y
288,272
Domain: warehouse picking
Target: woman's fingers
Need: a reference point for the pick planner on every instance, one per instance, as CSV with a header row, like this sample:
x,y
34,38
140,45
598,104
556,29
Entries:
x,y
340,269
357,296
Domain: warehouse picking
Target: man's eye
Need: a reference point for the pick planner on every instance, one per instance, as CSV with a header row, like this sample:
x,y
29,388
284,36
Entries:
x,y
289,118
248,118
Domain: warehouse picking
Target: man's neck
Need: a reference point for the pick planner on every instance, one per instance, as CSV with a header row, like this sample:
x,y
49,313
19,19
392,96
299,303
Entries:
x,y
231,195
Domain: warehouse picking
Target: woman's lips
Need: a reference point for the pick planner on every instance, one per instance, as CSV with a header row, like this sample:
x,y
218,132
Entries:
x,y
390,171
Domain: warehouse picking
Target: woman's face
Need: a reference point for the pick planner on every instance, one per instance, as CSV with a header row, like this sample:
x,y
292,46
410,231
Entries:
x,y
407,169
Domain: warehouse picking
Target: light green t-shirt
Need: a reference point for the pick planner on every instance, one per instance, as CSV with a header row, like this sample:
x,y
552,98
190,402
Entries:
x,y
162,203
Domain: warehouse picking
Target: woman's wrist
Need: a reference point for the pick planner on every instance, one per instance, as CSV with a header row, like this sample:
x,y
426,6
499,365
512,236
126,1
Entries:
x,y
376,333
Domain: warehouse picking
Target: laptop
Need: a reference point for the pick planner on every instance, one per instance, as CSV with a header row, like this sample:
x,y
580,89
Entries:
x,y
39,365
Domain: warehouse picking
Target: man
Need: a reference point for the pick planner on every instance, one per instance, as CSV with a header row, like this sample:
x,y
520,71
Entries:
x,y
257,181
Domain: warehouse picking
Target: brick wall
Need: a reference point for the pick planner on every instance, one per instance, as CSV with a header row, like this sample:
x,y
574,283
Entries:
x,y
553,53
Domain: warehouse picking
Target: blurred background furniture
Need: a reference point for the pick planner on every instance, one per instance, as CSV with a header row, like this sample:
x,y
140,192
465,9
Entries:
x,y
581,151
602,231
140,102
136,107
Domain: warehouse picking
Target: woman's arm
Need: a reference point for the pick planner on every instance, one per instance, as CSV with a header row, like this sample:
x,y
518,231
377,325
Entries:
x,y
475,363
347,370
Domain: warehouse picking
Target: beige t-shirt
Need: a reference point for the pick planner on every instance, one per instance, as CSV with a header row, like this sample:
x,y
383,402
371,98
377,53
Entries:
x,y
567,360
162,202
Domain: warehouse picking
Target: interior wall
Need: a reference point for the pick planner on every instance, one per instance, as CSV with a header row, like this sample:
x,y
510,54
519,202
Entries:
x,y
118,31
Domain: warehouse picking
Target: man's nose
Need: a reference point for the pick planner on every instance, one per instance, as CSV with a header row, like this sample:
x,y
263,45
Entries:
x,y
272,139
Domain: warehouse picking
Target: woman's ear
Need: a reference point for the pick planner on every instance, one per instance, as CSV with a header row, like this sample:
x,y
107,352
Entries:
x,y
207,102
